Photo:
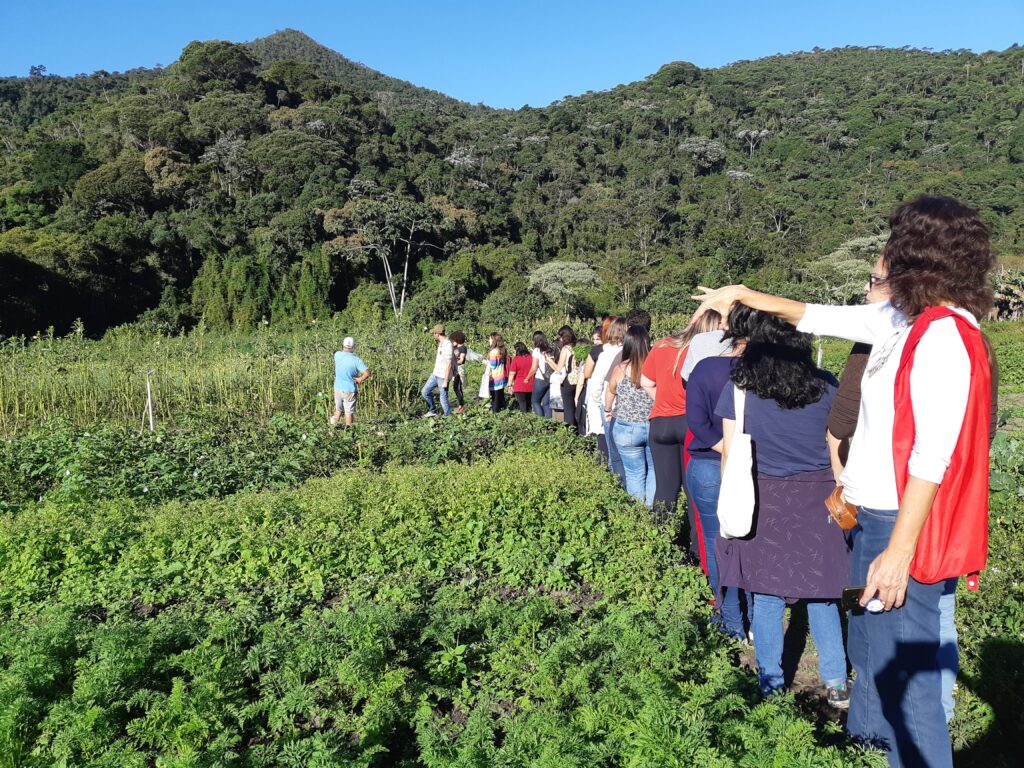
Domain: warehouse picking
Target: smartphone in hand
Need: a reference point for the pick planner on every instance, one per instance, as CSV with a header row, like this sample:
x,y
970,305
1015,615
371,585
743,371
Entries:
x,y
851,601
851,598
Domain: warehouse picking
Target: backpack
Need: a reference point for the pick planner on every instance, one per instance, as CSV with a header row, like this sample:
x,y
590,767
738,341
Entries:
x,y
573,377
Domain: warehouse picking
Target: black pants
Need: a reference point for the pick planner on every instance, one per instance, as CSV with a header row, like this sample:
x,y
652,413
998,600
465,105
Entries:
x,y
457,381
569,404
667,440
497,400
523,401
581,415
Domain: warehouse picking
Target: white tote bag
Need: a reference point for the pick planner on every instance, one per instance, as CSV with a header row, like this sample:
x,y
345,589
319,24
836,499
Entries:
x,y
739,495
485,383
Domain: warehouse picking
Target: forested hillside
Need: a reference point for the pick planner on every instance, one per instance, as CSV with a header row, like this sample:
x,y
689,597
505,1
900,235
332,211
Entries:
x,y
279,181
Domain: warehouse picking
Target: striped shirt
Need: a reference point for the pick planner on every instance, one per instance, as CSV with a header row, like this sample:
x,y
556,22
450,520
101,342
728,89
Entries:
x,y
496,365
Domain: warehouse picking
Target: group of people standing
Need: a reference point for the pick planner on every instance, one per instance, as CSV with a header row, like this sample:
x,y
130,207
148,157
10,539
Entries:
x,y
905,436
901,440
529,375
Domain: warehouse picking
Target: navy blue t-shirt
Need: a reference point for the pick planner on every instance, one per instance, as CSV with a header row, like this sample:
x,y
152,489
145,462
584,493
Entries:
x,y
786,441
703,389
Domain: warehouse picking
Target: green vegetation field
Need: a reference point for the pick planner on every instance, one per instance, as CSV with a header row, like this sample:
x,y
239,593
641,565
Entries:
x,y
252,376
247,587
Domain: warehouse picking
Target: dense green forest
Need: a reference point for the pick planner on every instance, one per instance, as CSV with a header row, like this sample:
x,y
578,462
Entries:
x,y
276,181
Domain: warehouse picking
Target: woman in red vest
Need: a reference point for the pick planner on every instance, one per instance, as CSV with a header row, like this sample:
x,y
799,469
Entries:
x,y
918,464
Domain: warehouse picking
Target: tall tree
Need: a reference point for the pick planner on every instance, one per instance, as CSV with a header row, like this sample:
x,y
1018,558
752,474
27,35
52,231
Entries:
x,y
390,230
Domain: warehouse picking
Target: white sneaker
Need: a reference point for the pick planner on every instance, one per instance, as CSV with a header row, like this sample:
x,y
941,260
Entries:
x,y
429,415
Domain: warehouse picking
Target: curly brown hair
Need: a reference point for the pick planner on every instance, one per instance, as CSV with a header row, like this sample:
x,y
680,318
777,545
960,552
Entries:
x,y
938,253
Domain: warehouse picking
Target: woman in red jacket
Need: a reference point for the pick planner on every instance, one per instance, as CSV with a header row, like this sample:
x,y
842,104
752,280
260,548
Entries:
x,y
918,465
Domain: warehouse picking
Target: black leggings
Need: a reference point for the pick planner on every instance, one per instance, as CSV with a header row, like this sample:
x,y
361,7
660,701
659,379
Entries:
x,y
457,381
667,439
497,400
569,404
523,401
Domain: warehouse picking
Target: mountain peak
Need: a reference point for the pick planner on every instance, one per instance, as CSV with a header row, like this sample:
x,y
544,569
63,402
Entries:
x,y
295,45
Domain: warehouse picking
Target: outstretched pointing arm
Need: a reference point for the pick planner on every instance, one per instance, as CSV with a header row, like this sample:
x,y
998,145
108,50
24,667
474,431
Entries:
x,y
722,299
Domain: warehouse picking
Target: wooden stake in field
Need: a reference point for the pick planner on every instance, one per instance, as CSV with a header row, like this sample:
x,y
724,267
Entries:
x,y
148,410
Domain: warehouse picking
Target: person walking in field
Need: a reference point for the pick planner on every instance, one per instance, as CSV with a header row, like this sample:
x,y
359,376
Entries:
x,y
460,352
444,365
497,368
349,372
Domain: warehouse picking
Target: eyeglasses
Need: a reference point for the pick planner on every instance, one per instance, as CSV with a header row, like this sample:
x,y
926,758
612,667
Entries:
x,y
874,280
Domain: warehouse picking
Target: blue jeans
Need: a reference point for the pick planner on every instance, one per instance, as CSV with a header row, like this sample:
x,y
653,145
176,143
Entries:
x,y
614,460
541,398
897,699
766,624
630,438
703,484
949,653
436,382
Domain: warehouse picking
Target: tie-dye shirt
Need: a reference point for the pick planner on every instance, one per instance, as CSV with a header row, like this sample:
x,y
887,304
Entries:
x,y
496,364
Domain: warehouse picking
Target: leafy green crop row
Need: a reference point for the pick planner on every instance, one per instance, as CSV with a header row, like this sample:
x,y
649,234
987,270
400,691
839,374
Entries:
x,y
516,611
203,456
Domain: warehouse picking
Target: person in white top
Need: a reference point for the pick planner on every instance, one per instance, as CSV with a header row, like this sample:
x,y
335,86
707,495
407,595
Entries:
x,y
935,265
444,367
540,372
596,418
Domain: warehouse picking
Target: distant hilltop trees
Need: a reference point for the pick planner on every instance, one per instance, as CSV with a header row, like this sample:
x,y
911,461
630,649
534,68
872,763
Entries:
x,y
278,181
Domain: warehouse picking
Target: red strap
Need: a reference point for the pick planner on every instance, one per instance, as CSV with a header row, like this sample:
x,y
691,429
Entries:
x,y
698,530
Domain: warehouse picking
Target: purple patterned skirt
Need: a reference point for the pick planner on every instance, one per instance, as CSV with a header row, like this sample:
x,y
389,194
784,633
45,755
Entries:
x,y
795,550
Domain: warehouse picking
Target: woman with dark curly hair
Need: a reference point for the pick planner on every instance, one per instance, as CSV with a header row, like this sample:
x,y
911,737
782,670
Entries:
x,y
918,465
793,552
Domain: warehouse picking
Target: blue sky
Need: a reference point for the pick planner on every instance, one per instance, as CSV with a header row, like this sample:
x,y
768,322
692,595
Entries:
x,y
502,53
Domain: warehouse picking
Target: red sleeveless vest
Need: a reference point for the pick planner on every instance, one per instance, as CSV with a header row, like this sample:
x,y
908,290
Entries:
x,y
954,539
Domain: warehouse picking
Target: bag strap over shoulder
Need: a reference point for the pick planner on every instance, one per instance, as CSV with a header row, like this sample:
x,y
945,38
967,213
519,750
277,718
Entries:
x,y
739,398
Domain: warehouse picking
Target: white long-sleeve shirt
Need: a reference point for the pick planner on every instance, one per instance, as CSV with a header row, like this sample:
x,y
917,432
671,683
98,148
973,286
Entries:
x,y
596,386
939,386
